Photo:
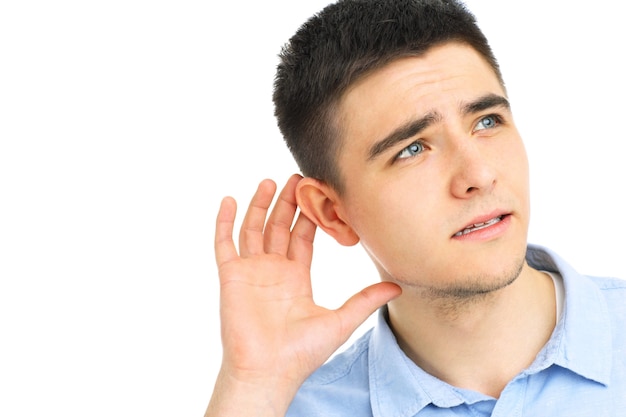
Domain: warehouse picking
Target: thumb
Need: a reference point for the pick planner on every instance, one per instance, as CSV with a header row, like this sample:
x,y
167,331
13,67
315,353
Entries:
x,y
362,304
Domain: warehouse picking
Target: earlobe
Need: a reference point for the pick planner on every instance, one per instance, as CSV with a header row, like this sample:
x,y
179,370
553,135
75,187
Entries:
x,y
319,203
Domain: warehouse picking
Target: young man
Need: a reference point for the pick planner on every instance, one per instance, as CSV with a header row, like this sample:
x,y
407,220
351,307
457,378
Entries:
x,y
397,115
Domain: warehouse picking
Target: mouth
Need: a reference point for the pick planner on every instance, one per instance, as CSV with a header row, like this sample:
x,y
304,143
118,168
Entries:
x,y
478,226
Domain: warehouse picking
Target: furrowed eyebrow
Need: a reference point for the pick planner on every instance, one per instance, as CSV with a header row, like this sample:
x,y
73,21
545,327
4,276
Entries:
x,y
404,132
414,127
485,102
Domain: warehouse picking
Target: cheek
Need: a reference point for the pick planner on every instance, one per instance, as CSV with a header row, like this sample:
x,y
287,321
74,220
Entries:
x,y
385,207
393,223
518,171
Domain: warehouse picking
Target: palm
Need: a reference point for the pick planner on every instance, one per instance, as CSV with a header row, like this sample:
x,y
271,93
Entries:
x,y
270,324
275,320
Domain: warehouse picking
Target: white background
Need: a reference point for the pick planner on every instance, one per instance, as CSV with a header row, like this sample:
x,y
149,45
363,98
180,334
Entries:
x,y
124,123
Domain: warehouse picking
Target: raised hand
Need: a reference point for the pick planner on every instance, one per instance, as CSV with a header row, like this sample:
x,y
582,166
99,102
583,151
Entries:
x,y
273,334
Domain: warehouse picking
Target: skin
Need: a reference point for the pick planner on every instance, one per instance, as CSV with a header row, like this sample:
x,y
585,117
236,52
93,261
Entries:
x,y
273,334
466,308
466,171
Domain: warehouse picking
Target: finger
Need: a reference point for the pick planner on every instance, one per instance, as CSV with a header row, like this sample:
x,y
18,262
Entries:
x,y
224,246
251,233
278,228
301,242
361,305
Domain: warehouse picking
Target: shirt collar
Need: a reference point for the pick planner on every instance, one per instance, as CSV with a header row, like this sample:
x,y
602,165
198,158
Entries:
x,y
394,389
581,342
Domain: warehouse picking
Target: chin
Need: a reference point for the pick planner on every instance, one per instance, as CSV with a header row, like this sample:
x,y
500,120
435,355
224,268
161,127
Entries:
x,y
481,280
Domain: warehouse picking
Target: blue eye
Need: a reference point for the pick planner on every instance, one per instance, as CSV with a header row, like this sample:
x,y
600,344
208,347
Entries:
x,y
413,149
488,122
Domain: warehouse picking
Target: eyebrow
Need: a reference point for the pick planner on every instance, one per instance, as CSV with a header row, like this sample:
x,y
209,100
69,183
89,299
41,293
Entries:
x,y
402,133
414,127
485,102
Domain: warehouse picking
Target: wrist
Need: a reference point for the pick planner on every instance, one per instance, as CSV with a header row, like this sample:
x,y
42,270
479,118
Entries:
x,y
243,396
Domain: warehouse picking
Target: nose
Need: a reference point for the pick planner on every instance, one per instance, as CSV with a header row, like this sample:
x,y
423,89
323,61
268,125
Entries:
x,y
473,172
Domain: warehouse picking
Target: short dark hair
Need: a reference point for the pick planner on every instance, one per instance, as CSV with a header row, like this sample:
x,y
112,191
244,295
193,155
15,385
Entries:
x,y
344,42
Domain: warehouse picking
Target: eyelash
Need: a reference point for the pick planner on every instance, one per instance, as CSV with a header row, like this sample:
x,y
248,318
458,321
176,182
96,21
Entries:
x,y
418,143
498,120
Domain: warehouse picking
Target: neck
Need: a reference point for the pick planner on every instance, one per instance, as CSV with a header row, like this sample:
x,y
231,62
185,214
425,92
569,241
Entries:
x,y
477,342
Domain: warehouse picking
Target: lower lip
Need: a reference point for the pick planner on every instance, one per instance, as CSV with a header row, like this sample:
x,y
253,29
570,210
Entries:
x,y
488,233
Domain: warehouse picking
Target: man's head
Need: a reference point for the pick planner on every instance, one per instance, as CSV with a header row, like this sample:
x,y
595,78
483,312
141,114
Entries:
x,y
344,42
408,143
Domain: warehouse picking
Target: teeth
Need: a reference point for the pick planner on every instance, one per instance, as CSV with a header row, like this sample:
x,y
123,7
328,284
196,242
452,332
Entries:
x,y
478,226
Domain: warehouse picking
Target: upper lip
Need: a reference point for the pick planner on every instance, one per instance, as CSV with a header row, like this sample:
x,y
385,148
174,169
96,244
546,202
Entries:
x,y
482,219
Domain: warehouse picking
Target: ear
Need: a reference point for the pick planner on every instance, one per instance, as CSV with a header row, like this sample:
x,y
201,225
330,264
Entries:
x,y
321,204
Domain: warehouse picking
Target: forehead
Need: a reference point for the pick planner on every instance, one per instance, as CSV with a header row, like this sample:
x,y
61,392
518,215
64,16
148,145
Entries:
x,y
411,87
442,72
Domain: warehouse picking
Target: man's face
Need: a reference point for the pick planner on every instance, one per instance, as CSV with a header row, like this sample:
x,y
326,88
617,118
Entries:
x,y
435,173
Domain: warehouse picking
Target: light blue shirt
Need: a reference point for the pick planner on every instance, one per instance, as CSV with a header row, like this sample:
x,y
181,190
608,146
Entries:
x,y
581,371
